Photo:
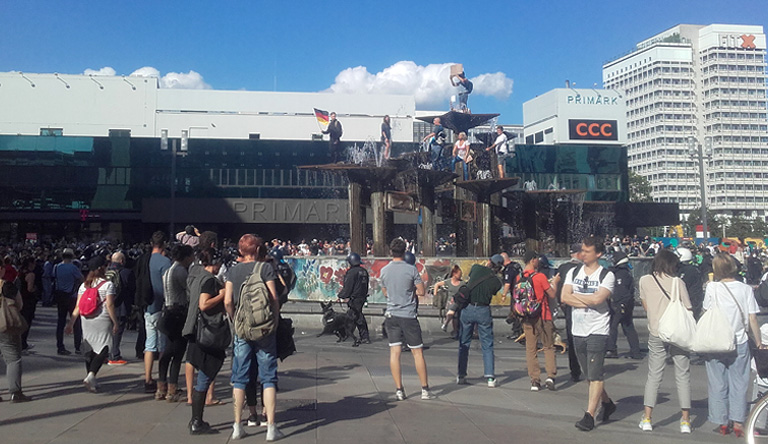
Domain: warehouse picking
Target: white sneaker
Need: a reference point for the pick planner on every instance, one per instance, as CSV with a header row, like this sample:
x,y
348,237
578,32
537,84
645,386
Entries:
x,y
238,432
273,433
492,382
685,426
90,383
646,426
400,394
426,394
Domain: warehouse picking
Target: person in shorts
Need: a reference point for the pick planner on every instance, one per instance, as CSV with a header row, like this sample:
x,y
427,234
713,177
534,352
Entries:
x,y
587,289
402,287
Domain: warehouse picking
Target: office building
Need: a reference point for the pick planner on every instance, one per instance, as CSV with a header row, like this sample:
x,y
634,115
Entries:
x,y
706,84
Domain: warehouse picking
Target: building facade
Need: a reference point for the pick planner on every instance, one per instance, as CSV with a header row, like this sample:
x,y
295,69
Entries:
x,y
702,85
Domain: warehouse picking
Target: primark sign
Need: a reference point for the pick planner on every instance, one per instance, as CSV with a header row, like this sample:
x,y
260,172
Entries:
x,y
579,99
249,211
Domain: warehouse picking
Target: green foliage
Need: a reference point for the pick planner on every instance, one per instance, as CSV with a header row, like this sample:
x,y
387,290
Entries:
x,y
639,188
694,218
741,227
674,38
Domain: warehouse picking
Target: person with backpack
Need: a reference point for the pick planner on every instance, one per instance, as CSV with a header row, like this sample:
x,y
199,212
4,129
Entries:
x,y
509,274
96,306
355,293
482,285
250,298
531,300
587,289
206,308
123,280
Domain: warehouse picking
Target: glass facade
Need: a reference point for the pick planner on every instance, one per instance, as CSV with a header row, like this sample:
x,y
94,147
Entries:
x,y
66,184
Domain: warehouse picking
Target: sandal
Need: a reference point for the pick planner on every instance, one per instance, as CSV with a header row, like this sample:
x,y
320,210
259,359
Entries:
x,y
215,402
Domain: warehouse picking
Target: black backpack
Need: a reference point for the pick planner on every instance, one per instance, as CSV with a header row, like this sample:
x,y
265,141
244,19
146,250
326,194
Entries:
x,y
461,298
761,294
288,277
603,273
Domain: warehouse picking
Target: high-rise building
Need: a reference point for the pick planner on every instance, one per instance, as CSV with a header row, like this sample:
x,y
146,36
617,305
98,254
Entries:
x,y
706,85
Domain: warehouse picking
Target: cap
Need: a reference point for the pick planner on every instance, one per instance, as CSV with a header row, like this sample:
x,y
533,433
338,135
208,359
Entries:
x,y
575,248
68,252
497,259
530,255
544,262
619,258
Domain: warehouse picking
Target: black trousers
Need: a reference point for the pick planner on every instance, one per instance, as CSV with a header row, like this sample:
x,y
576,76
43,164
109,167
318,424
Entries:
x,y
356,312
621,314
573,361
94,361
28,313
65,306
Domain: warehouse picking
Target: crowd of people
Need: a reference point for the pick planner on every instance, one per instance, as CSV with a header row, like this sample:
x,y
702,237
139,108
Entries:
x,y
179,296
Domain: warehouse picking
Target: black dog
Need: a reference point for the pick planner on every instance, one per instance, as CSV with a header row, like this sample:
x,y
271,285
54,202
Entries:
x,y
340,324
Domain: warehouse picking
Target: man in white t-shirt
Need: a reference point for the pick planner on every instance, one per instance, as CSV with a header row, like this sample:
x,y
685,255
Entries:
x,y
588,289
500,147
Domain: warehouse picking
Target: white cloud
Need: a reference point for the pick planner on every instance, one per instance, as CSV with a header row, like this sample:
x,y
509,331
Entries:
x,y
178,80
105,71
428,84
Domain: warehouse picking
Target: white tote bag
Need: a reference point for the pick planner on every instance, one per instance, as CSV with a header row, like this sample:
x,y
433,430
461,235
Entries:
x,y
714,333
676,325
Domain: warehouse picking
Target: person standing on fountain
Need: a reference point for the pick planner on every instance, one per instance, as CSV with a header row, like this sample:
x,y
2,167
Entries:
x,y
334,131
499,148
461,154
436,139
386,137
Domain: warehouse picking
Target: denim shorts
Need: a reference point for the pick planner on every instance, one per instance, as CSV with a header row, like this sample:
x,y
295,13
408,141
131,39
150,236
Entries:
x,y
590,351
243,354
397,328
155,341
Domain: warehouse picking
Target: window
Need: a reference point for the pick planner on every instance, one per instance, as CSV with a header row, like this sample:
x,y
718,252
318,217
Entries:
x,y
51,131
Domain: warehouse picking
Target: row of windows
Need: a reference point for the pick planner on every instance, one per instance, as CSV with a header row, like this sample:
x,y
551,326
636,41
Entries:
x,y
741,92
249,177
754,104
734,115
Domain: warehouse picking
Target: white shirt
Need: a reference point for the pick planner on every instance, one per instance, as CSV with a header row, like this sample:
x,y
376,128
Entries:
x,y
501,144
743,294
592,320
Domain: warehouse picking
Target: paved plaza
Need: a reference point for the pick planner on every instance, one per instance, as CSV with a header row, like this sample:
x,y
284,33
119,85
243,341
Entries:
x,y
333,393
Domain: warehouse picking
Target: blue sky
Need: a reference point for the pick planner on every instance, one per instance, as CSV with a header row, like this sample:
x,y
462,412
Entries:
x,y
303,46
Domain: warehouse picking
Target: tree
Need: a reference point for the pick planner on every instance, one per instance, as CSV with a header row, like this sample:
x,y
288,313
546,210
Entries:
x,y
694,218
639,188
742,227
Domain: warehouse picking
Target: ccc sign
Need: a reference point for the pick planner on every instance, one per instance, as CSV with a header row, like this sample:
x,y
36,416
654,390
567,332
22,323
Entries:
x,y
593,129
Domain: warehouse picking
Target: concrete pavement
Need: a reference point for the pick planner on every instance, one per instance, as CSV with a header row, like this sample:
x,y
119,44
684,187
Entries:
x,y
333,393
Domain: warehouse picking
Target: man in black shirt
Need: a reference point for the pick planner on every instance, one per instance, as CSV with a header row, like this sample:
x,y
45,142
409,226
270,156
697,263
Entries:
x,y
355,293
334,131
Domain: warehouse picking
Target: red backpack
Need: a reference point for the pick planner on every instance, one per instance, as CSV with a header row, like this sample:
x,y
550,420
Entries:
x,y
90,301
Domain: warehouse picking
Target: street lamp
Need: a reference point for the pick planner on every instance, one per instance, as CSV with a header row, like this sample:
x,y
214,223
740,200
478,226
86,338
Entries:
x,y
696,153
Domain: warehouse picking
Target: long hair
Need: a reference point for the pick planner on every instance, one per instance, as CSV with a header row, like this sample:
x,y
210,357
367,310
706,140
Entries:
x,y
93,275
665,262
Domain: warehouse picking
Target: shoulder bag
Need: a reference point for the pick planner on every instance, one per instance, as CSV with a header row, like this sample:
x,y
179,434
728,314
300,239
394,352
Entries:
x,y
11,321
760,355
714,333
676,324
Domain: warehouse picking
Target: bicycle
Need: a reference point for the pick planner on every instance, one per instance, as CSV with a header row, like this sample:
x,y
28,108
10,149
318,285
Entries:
x,y
756,426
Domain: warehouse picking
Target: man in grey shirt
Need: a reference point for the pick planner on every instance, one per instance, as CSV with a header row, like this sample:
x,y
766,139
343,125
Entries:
x,y
402,286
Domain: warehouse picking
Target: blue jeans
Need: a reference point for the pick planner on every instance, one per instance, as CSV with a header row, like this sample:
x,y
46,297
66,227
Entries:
x,y
436,150
456,160
481,316
728,383
203,382
265,353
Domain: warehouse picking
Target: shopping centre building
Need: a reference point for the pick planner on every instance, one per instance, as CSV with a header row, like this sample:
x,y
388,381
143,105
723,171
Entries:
x,y
85,156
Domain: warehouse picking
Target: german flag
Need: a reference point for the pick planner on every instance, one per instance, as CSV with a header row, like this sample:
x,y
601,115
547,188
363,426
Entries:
x,y
322,116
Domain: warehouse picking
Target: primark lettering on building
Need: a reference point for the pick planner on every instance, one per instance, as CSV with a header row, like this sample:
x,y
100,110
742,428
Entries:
x,y
593,100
